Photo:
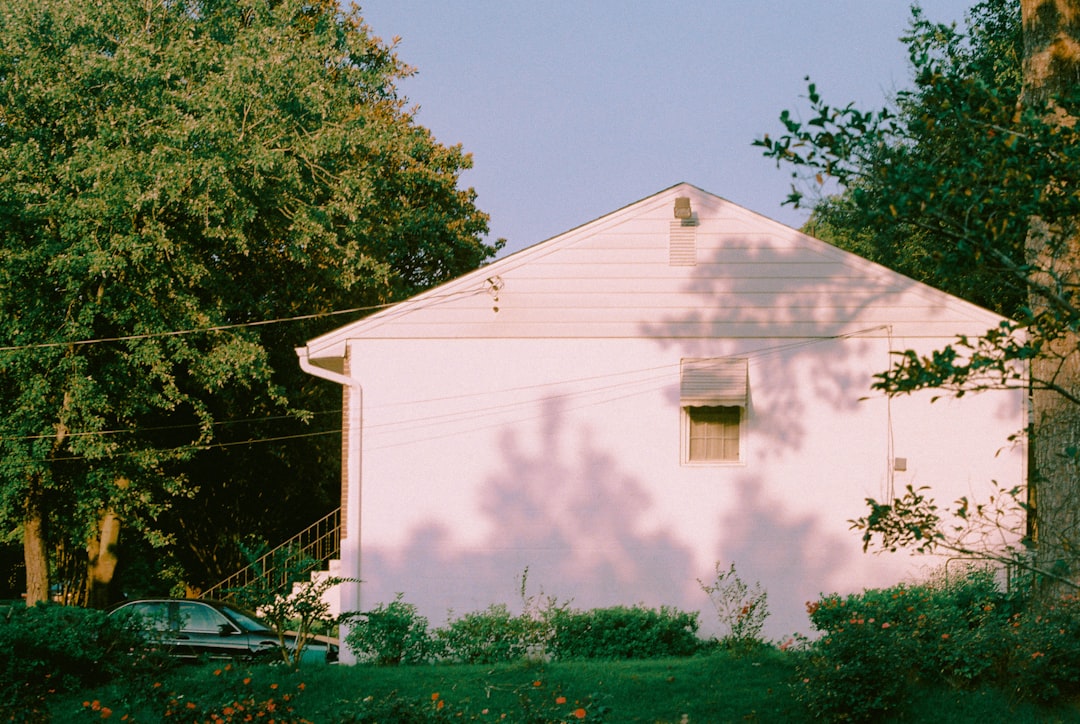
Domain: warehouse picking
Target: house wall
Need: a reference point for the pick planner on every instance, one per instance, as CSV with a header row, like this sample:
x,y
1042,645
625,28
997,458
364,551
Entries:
x,y
487,457
526,416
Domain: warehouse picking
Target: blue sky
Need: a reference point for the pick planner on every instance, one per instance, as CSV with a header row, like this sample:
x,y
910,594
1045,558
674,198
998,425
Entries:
x,y
573,109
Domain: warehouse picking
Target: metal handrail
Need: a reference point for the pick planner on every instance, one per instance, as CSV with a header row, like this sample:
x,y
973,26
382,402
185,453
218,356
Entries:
x,y
320,542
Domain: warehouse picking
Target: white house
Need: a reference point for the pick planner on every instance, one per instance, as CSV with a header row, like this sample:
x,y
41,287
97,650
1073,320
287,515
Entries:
x,y
618,409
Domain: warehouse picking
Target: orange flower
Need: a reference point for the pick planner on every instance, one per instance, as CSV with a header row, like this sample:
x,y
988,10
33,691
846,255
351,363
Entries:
x,y
301,686
435,696
580,713
191,705
106,712
560,700
273,686
538,683
440,704
217,672
247,681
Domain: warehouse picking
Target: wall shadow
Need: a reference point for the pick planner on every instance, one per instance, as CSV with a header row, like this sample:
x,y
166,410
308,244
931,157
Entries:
x,y
562,509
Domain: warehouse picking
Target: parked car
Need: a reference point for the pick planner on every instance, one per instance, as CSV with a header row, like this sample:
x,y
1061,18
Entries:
x,y
190,629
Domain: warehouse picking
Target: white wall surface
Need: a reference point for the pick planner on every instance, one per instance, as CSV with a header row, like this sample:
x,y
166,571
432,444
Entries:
x,y
486,457
526,415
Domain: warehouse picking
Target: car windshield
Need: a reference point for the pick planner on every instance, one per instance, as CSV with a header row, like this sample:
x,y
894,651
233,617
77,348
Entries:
x,y
245,620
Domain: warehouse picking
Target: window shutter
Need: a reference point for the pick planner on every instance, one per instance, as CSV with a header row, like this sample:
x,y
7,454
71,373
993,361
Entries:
x,y
714,381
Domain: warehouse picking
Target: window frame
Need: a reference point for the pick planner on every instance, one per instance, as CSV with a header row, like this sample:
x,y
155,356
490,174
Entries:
x,y
713,382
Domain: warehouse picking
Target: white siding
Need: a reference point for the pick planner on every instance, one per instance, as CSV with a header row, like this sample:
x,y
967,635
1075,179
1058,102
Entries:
x,y
538,426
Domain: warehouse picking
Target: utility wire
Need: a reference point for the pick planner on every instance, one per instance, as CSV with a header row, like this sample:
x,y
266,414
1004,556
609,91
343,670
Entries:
x,y
225,327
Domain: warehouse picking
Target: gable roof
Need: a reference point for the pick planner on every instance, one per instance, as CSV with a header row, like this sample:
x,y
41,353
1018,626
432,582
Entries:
x,y
641,272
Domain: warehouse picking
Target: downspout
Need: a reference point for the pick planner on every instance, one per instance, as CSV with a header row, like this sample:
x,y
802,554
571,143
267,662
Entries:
x,y
350,545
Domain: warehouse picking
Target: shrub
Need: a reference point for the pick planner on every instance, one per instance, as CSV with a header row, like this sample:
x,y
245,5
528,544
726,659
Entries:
x,y
742,610
288,599
391,634
51,648
876,643
1044,664
623,633
484,637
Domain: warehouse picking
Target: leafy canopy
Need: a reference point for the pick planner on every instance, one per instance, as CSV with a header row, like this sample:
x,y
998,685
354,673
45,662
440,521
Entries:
x,y
168,166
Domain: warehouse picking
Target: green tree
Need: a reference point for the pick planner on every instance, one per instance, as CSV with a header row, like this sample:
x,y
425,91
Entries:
x,y
863,218
982,160
202,166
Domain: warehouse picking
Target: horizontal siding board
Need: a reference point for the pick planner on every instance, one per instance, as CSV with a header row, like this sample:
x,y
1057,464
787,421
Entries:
x,y
703,287
753,278
768,319
682,329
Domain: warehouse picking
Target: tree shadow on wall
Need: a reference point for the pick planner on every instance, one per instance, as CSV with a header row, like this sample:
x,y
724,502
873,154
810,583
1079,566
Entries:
x,y
564,510
790,555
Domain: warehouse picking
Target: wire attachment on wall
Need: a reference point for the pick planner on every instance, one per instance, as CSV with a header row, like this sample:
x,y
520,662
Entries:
x,y
494,284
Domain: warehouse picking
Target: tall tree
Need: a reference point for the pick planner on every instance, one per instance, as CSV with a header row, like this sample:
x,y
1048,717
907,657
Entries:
x,y
171,166
986,170
1051,74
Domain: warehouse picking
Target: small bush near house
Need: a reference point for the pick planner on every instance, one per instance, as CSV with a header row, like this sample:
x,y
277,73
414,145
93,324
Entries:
x,y
51,648
624,633
741,609
491,636
391,634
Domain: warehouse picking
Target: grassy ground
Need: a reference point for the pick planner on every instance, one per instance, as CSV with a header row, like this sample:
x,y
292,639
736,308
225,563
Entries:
x,y
715,688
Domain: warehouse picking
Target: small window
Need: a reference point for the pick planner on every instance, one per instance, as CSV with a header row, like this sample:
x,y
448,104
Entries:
x,y
713,400
713,434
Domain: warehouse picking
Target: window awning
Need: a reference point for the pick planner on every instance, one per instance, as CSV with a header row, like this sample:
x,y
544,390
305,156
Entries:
x,y
714,381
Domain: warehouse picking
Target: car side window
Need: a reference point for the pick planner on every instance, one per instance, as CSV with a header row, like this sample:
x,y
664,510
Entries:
x,y
200,618
155,615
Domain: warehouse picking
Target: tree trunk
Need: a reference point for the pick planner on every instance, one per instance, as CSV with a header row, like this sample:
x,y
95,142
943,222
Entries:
x,y
35,552
1052,67
102,557
101,560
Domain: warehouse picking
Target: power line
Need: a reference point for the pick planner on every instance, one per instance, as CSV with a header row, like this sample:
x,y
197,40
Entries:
x,y
160,428
182,332
226,327
184,448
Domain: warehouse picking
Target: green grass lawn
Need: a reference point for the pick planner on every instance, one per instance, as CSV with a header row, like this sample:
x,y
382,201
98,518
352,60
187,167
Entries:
x,y
701,689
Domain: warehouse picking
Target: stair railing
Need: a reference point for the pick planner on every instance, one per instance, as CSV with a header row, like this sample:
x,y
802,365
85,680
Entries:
x,y
319,543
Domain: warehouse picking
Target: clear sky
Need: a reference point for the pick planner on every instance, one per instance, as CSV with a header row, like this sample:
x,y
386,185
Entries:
x,y
575,108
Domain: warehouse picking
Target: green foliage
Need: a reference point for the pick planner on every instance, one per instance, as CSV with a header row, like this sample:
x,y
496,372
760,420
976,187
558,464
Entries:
x,y
876,646
391,634
172,174
491,636
50,648
623,632
285,597
946,182
742,609
953,71
967,181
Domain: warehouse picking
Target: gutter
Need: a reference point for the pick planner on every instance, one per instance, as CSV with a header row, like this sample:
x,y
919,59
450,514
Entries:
x,y
350,543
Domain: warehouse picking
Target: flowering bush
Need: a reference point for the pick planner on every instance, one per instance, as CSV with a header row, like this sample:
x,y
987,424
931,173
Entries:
x,y
1045,656
965,634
